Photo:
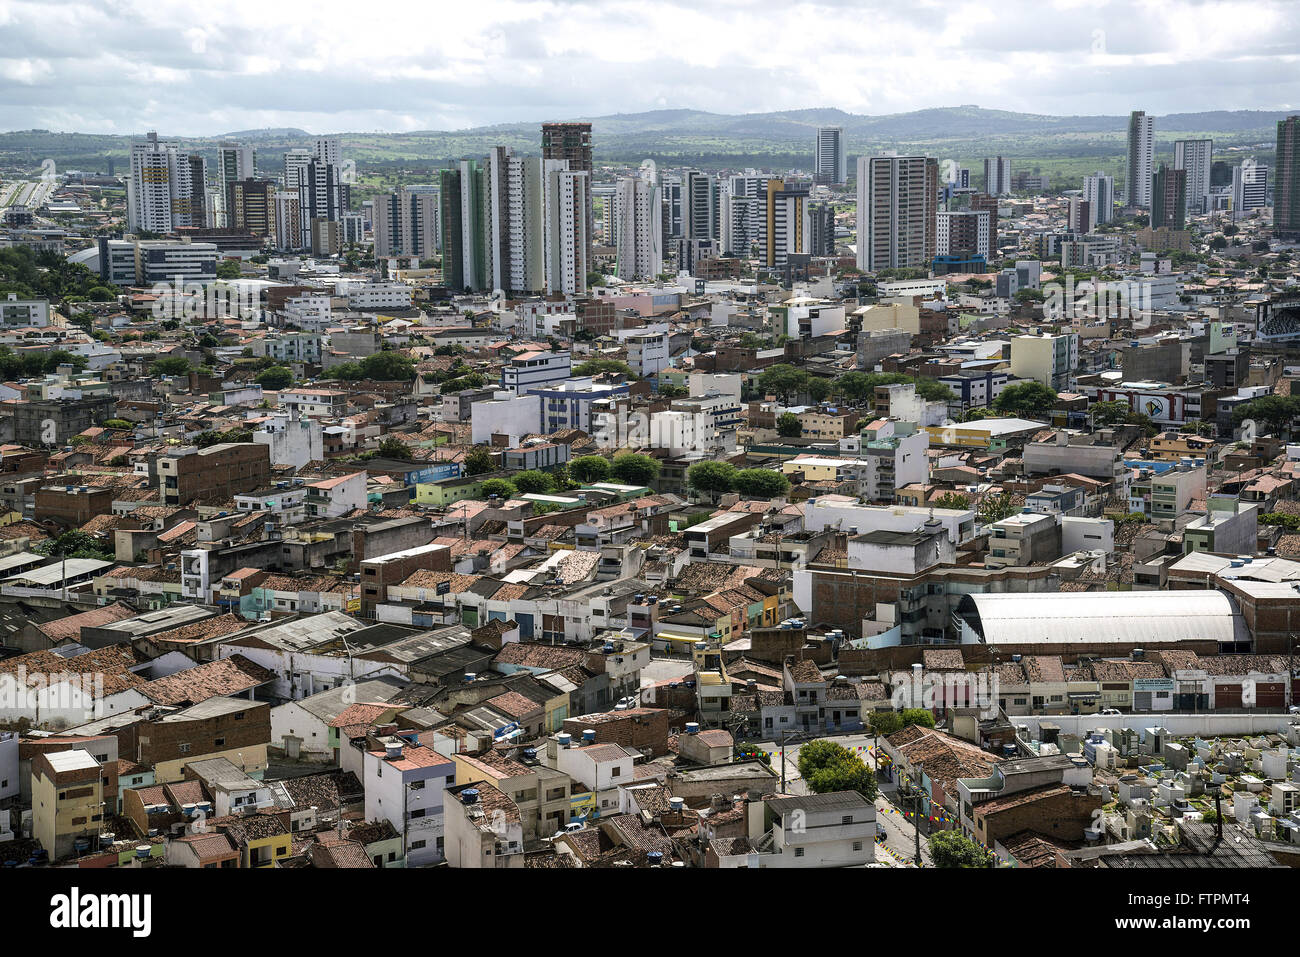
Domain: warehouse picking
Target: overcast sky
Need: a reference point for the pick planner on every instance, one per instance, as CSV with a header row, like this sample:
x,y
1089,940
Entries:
x,y
185,68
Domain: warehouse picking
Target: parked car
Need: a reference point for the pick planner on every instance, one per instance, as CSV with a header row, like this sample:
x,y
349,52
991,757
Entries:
x,y
568,829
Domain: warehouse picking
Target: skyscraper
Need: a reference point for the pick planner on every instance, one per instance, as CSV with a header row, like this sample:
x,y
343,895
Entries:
x,y
250,205
701,206
572,142
638,211
1250,188
566,212
1141,160
1195,157
785,232
165,190
997,176
898,200
1099,191
461,217
1169,198
820,229
1286,192
406,223
830,164
235,161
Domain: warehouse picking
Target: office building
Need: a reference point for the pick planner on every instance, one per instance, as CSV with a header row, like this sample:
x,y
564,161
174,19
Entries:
x,y
830,160
235,161
897,206
1141,160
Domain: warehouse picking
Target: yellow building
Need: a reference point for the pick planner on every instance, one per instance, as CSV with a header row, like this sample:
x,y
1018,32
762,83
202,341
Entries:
x,y
262,839
890,315
1173,446
818,468
67,801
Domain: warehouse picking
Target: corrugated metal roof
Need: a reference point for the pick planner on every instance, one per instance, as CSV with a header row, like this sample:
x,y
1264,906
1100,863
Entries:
x,y
1136,617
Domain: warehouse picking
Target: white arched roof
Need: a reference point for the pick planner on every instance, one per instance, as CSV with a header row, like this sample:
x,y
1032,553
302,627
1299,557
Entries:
x,y
1122,617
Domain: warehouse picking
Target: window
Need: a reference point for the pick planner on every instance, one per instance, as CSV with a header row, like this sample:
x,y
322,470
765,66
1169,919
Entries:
x,y
417,785
417,845
184,749
798,852
220,742
857,845
418,812
847,819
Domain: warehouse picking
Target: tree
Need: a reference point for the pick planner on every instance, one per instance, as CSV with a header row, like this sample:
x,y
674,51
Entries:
x,y
670,391
228,269
933,391
760,483
631,468
917,716
74,544
713,478
388,366
953,500
954,849
1275,412
479,460
590,468
782,380
994,508
788,425
1106,414
275,378
828,767
818,389
1025,399
594,367
394,448
498,487
533,482
885,723
171,365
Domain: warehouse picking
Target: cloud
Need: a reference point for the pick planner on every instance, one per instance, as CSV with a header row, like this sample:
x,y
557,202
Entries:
x,y
126,65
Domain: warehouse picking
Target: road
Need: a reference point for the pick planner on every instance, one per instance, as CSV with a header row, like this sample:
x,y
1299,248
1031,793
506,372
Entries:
x,y
900,836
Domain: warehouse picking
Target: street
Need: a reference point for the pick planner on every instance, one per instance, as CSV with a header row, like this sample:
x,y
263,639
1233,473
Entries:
x,y
900,840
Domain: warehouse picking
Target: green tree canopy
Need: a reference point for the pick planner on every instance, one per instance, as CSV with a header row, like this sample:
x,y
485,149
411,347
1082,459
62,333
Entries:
x,y
631,468
1025,399
714,478
275,378
788,425
171,365
479,460
828,767
498,487
394,448
760,483
598,366
533,482
590,468
953,849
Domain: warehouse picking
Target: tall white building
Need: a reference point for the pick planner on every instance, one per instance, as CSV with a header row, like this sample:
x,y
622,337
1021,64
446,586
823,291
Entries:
x,y
1141,160
1195,157
328,150
638,213
740,219
898,199
1099,191
831,162
566,195
997,176
165,189
1249,186
235,161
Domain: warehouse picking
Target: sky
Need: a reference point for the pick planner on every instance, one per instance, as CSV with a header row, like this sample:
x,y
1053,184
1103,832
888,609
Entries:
x,y
191,69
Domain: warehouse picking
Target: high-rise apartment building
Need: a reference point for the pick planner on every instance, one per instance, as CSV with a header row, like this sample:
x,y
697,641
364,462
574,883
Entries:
x,y
701,206
1141,160
830,162
1250,188
288,221
1099,191
235,161
898,200
1169,198
166,190
1195,157
638,213
406,223
1286,192
820,229
572,142
997,176
566,206
784,232
964,233
250,205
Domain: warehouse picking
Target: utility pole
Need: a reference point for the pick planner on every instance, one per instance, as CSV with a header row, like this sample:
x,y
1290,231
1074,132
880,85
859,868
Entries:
x,y
916,821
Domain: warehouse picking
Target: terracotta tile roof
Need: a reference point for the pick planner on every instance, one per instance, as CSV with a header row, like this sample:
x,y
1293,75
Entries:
x,y
63,629
228,677
943,659
514,705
